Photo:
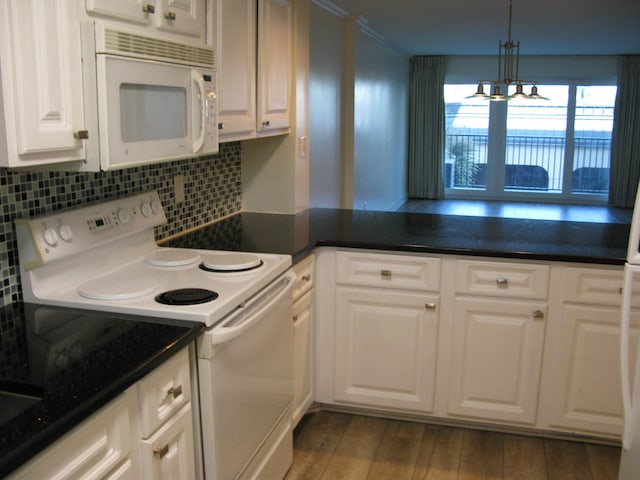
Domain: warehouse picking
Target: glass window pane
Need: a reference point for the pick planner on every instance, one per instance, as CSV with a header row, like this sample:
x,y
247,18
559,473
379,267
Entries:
x,y
535,143
467,132
593,127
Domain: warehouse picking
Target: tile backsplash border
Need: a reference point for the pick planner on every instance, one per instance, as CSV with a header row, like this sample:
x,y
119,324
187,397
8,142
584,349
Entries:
x,y
212,187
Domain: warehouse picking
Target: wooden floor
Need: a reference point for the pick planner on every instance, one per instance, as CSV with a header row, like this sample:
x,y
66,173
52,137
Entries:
x,y
539,211
333,446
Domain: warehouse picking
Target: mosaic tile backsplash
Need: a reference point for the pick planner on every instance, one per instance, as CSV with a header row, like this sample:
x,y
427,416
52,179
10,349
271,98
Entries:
x,y
212,186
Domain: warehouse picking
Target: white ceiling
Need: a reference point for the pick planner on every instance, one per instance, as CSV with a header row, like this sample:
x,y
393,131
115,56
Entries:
x,y
474,27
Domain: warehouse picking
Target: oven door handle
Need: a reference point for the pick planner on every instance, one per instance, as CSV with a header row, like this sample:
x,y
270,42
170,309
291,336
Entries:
x,y
252,312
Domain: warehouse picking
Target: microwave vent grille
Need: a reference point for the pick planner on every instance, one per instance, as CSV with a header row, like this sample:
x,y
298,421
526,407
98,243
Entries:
x,y
125,43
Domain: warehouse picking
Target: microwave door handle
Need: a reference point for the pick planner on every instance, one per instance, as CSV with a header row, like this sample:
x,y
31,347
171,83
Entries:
x,y
201,110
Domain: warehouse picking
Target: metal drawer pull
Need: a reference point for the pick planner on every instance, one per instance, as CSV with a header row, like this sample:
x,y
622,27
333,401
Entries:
x,y
160,452
266,124
295,318
81,135
221,126
538,314
306,278
175,391
170,16
502,281
430,306
385,273
149,9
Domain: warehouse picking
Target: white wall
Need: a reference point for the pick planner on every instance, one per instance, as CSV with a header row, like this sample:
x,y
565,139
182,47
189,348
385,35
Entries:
x,y
381,125
326,48
358,114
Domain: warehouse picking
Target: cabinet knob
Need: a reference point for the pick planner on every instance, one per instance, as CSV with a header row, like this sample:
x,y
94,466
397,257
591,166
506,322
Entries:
x,y
306,278
160,452
538,314
385,273
502,281
266,124
170,15
149,9
81,135
430,306
175,391
221,126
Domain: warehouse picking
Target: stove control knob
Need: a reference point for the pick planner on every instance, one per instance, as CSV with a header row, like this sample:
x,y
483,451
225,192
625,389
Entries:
x,y
156,206
65,232
124,216
50,237
146,209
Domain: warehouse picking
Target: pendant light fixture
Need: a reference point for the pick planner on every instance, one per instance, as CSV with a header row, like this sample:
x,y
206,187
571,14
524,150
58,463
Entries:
x,y
508,66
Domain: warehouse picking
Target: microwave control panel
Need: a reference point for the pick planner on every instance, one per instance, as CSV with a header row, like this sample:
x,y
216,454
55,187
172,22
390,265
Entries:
x,y
211,109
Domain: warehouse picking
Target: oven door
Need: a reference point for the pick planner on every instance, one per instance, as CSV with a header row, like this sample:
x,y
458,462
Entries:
x,y
150,111
245,370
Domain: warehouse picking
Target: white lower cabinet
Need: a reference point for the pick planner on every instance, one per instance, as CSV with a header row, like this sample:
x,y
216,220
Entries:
x,y
385,348
101,447
512,343
166,425
303,354
586,388
386,330
496,359
122,441
168,453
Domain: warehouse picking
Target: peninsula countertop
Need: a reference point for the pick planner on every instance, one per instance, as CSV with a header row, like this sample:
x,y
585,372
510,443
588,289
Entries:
x,y
298,234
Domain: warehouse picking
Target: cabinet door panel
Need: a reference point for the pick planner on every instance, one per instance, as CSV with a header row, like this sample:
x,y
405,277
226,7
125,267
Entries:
x,y
89,451
182,16
129,10
236,22
302,357
43,84
385,348
275,40
495,367
169,453
586,388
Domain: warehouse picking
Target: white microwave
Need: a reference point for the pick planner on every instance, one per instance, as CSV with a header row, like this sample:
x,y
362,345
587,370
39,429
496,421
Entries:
x,y
147,99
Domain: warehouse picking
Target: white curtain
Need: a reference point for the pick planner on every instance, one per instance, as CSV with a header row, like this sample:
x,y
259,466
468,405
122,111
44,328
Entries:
x,y
426,127
625,141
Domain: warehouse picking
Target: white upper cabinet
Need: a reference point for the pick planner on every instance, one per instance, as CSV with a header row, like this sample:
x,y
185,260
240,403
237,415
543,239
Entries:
x,y
41,100
185,18
275,60
236,28
255,67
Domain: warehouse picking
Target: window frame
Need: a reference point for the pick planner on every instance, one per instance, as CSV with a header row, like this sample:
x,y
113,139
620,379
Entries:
x,y
497,137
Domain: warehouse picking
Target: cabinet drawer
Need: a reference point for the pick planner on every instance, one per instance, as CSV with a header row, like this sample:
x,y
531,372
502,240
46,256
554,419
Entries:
x,y
91,450
597,286
163,392
502,279
304,276
391,271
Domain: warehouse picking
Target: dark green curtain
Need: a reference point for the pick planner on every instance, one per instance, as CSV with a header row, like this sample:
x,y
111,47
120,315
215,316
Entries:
x,y
625,140
426,127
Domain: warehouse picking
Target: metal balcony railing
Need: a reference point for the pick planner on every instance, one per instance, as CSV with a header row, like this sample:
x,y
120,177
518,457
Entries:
x,y
531,163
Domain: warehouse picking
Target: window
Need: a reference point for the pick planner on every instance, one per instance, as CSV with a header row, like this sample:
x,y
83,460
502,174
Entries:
x,y
521,149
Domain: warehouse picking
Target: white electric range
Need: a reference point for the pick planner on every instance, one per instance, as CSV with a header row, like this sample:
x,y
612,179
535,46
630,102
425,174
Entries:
x,y
104,257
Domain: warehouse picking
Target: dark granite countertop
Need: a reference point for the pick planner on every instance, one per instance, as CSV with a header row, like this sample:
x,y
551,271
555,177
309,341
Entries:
x,y
60,365
297,235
